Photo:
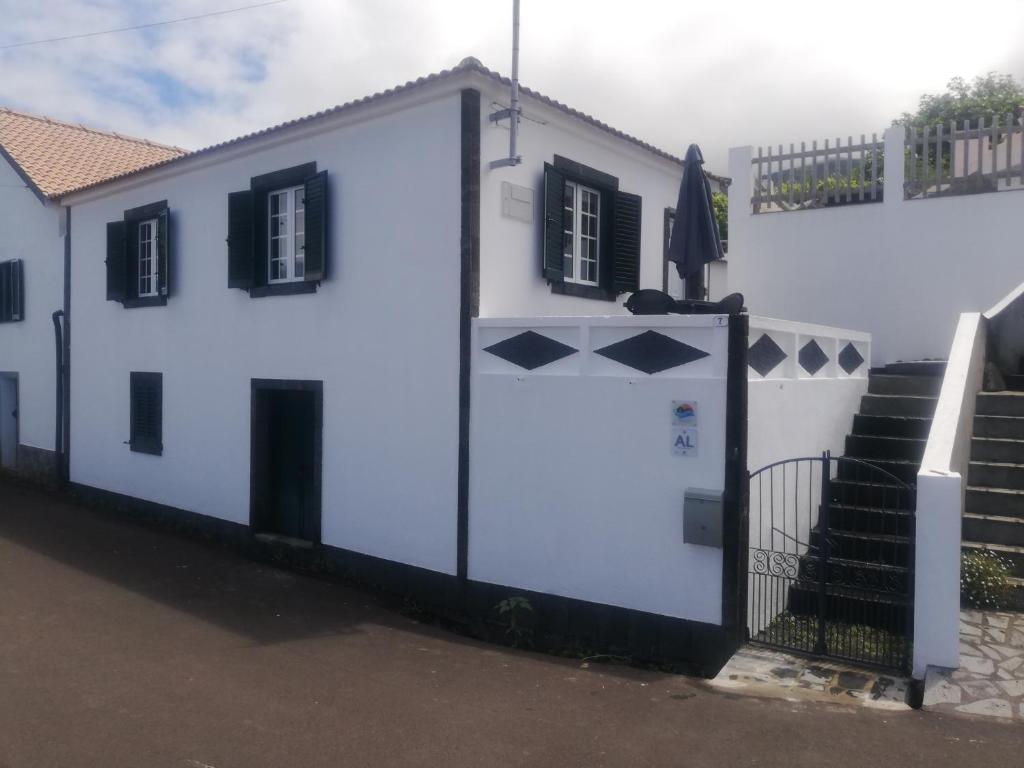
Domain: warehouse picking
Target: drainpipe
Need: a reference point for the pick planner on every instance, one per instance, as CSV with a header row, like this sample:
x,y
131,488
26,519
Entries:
x,y
58,437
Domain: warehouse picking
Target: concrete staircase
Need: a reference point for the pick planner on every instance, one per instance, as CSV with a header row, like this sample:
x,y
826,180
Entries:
x,y
871,520
994,509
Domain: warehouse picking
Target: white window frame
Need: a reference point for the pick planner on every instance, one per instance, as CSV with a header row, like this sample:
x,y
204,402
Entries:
x,y
577,238
292,241
149,259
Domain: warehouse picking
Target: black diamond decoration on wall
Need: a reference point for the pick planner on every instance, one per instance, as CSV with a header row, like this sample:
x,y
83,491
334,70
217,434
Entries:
x,y
651,352
812,357
850,359
530,350
764,355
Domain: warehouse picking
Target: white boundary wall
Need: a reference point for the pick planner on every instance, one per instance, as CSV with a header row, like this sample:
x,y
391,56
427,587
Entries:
x,y
792,413
941,484
901,269
574,486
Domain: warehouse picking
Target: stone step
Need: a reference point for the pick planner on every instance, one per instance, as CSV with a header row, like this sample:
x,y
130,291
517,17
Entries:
x,y
1014,381
1009,427
994,501
849,605
993,529
997,449
995,475
879,470
869,520
877,495
1013,555
868,548
1000,404
892,426
897,405
886,384
915,368
873,447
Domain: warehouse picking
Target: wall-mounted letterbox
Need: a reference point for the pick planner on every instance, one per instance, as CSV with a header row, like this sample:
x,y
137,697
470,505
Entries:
x,y
702,517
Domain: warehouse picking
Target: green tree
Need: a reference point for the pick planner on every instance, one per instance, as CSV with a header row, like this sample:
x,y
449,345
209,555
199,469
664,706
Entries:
x,y
989,96
720,207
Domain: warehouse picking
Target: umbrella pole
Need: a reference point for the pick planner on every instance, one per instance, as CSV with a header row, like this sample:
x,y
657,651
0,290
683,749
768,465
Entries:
x,y
694,286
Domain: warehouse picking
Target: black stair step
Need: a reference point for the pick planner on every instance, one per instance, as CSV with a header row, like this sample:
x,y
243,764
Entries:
x,y
998,449
935,368
869,520
892,426
875,447
1012,555
993,529
994,501
1014,381
886,578
897,405
887,384
1009,427
874,549
852,606
866,469
995,475
1000,404
868,494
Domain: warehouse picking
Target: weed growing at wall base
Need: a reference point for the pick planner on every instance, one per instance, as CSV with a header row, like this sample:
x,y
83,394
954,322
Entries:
x,y
984,579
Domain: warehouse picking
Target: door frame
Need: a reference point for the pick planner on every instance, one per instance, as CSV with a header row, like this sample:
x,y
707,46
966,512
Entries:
x,y
13,375
258,386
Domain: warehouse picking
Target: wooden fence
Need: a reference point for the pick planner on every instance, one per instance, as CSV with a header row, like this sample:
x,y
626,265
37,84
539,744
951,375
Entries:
x,y
945,160
834,174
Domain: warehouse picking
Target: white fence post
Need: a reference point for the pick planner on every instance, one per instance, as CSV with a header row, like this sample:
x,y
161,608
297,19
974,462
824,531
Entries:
x,y
894,170
740,212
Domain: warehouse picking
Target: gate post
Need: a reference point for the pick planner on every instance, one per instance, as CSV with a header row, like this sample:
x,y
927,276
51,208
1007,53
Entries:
x,y
821,646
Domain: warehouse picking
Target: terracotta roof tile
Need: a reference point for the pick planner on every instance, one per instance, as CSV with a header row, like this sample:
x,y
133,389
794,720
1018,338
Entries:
x,y
58,157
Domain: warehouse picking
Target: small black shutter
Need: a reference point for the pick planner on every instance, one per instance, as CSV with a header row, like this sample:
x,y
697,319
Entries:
x,y
626,246
6,293
241,256
316,226
17,290
554,208
147,406
117,266
163,250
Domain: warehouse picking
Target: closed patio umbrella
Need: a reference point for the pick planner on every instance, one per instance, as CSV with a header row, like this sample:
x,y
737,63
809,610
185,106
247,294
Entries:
x,y
695,239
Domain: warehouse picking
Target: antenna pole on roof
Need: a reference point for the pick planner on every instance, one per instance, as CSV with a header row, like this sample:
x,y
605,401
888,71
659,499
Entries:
x,y
514,110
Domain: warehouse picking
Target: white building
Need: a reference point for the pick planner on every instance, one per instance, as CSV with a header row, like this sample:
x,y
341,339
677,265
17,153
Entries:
x,y
40,159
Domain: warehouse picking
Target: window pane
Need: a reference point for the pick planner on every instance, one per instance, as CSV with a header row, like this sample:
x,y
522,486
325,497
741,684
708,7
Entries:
x,y
570,196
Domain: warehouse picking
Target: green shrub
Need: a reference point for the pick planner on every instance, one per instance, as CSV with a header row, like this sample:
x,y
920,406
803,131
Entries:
x,y
984,579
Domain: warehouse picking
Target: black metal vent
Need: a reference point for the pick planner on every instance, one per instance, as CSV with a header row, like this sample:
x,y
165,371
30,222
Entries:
x,y
765,355
850,359
530,350
651,352
812,357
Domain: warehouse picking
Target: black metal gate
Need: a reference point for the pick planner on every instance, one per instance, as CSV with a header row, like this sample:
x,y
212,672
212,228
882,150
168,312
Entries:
x,y
830,569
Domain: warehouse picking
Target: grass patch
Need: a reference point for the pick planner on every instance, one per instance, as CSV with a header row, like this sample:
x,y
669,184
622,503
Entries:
x,y
856,642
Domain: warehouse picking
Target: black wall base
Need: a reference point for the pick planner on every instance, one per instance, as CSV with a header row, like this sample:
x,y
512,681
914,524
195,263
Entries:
x,y
553,624
37,465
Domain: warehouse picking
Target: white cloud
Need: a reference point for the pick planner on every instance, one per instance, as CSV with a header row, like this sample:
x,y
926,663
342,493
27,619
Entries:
x,y
669,72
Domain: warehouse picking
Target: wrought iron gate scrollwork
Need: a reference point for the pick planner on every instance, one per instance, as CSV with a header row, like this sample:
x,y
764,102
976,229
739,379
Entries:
x,y
830,564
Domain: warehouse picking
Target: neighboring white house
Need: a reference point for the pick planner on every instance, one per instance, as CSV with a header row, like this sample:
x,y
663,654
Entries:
x,y
40,159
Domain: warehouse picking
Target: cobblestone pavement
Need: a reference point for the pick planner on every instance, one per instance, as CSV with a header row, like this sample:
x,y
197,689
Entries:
x,y
766,673
990,681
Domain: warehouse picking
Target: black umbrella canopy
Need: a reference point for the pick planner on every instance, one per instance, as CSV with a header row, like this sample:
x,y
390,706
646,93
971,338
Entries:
x,y
695,238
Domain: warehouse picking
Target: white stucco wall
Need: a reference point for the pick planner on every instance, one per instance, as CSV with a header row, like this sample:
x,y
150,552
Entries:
x,y
510,264
382,333
902,270
574,486
30,230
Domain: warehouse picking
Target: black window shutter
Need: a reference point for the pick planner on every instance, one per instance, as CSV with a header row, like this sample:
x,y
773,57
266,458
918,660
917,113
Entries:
x,y
17,290
626,246
163,251
5,292
117,264
554,209
241,255
147,394
316,226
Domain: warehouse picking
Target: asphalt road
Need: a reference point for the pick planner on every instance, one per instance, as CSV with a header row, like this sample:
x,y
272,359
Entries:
x,y
125,645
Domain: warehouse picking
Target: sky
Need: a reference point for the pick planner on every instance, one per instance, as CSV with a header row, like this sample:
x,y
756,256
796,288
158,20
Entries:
x,y
720,74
